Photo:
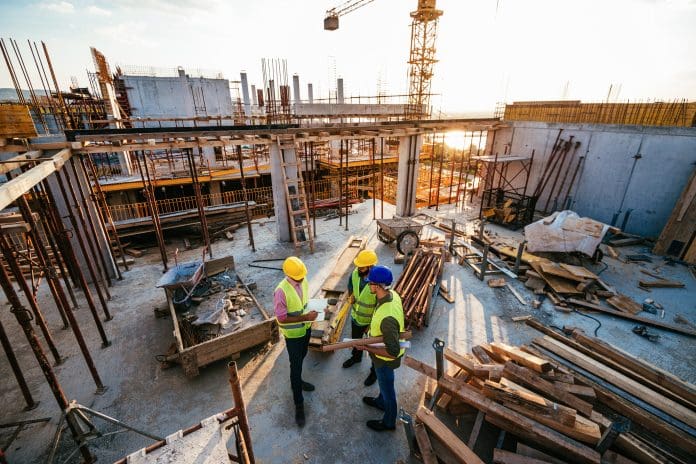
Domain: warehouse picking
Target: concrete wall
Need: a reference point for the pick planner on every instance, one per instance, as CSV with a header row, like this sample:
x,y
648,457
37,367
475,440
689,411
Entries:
x,y
338,109
612,181
178,97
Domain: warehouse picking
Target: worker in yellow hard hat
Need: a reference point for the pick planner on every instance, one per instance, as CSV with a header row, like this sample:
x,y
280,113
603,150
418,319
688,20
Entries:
x,y
364,303
290,306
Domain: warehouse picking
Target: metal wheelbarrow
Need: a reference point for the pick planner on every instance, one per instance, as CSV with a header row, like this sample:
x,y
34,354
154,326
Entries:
x,y
406,231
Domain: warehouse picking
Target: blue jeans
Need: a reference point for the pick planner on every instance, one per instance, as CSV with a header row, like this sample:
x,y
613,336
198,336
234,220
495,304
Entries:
x,y
387,395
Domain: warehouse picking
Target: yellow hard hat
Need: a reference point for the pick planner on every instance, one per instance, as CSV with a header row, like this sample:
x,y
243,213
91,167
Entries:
x,y
365,258
294,268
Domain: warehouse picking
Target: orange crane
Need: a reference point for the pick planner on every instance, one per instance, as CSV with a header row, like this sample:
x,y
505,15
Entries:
x,y
421,56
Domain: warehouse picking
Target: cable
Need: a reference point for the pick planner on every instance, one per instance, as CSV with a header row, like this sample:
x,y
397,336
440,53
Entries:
x,y
603,269
593,318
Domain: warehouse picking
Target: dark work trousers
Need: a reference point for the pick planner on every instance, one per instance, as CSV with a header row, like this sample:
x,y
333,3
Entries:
x,y
357,331
387,395
297,350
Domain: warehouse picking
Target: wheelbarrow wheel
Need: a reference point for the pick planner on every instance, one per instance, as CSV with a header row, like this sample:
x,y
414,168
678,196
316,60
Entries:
x,y
407,241
383,237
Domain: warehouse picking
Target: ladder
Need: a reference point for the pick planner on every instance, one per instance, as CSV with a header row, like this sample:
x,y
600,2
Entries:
x,y
298,212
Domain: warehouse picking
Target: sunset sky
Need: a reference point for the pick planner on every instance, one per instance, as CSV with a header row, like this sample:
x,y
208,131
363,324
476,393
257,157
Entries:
x,y
488,50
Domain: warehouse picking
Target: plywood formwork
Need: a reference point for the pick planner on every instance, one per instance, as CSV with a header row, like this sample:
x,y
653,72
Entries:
x,y
15,121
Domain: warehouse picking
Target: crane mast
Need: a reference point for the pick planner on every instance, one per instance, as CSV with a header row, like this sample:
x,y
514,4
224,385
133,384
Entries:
x,y
421,57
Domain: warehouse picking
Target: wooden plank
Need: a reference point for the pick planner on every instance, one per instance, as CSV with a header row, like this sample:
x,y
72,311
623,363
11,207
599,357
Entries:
x,y
509,393
16,121
579,390
644,320
527,377
516,294
579,271
481,355
640,367
530,452
21,184
661,283
7,167
510,420
426,448
361,342
507,457
625,304
528,360
680,227
666,405
584,430
558,284
476,430
462,452
555,269
467,363
337,280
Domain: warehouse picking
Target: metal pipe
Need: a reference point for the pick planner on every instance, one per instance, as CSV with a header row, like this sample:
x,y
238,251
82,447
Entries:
x,y
381,175
199,199
246,200
340,183
10,259
313,189
81,242
61,301
152,205
55,83
562,158
439,173
12,359
84,212
374,181
24,318
565,176
103,207
347,169
241,408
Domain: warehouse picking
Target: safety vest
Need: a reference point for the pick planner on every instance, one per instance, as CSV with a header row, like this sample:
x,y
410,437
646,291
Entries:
x,y
296,307
365,301
393,309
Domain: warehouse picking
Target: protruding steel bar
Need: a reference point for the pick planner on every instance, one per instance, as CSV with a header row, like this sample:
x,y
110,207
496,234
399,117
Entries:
x,y
7,346
245,197
61,300
152,204
24,318
199,199
11,260
81,242
83,211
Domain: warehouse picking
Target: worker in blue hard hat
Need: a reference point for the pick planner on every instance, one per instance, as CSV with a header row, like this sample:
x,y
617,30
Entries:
x,y
388,322
363,306
290,306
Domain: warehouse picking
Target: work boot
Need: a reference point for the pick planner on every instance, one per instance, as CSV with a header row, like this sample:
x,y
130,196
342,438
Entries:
x,y
370,401
351,361
299,415
371,379
307,387
378,425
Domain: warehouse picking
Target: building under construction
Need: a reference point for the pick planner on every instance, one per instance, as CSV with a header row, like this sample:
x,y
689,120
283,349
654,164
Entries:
x,y
145,217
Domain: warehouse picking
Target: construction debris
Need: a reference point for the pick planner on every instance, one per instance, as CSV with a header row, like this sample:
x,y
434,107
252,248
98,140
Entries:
x,y
565,232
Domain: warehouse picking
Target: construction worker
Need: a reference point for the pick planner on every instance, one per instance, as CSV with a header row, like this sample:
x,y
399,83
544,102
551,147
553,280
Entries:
x,y
290,305
387,321
363,301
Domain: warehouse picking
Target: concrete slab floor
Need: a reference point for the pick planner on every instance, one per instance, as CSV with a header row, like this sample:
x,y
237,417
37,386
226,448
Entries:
x,y
161,402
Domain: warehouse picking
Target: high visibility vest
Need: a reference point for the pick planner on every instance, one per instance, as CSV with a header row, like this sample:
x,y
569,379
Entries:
x,y
296,307
365,301
393,309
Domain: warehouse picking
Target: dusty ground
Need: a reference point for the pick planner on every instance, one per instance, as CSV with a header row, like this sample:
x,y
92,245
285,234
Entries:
x,y
161,401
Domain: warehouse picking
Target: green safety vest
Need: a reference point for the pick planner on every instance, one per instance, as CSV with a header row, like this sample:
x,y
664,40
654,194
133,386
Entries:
x,y
365,301
393,309
296,307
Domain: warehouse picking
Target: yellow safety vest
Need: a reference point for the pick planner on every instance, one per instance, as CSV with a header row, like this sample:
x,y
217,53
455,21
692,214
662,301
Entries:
x,y
365,301
296,307
393,309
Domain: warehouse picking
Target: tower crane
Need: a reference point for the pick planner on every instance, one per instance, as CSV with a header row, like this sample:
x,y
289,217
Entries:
x,y
422,51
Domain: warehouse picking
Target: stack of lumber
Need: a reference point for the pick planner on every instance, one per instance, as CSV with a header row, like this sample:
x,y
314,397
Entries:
x,y
545,410
419,283
572,287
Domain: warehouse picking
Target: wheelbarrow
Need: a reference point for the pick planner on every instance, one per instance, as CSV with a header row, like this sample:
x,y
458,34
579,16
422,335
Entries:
x,y
183,279
406,231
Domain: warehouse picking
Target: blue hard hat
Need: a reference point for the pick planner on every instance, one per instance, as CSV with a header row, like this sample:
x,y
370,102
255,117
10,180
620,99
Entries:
x,y
380,275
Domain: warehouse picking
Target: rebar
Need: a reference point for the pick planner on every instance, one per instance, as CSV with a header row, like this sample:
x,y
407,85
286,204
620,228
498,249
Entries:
x,y
246,199
12,359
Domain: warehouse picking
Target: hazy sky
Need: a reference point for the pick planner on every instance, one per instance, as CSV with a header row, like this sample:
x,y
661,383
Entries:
x,y
488,50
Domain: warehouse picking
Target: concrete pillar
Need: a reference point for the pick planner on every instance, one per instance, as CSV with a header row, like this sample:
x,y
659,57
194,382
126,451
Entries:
x,y
279,196
215,192
296,89
310,93
208,156
253,95
407,177
339,90
245,95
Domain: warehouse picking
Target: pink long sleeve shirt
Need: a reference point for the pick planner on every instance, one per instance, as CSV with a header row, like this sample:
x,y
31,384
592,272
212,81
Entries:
x,y
280,306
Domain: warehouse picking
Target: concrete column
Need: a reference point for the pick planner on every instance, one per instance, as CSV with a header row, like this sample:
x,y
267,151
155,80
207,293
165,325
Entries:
x,y
208,156
215,192
279,196
296,89
310,93
407,177
245,95
253,95
339,90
